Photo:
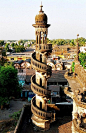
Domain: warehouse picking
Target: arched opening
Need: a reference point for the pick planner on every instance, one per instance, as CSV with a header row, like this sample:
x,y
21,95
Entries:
x,y
40,37
37,40
40,82
45,35
39,47
40,105
40,58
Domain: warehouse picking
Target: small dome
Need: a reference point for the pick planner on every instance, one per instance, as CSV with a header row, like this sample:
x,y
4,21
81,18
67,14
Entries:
x,y
41,18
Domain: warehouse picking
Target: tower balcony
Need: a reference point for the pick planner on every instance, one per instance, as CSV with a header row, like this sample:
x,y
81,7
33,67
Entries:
x,y
41,67
74,96
40,113
37,89
44,48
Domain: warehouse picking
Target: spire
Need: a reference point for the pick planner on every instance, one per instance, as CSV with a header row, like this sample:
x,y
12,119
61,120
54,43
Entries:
x,y
41,7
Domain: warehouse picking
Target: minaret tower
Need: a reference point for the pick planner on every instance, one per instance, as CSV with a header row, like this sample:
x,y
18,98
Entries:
x,y
40,107
77,50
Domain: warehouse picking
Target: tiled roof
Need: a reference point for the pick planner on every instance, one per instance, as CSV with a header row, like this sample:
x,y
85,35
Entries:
x,y
54,88
57,76
65,128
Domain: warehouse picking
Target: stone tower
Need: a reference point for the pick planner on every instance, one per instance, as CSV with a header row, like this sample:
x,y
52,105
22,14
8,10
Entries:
x,y
77,50
42,109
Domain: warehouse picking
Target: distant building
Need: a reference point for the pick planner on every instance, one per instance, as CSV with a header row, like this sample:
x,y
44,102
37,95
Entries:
x,y
21,64
61,51
18,56
55,63
55,93
83,49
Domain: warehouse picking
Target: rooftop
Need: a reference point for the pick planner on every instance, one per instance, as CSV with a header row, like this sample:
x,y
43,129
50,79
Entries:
x,y
57,76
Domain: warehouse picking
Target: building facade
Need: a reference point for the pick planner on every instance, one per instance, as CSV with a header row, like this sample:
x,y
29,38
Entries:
x,y
77,91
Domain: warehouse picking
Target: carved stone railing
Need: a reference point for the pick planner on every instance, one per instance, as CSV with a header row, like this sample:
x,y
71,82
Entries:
x,y
78,129
39,113
37,89
80,104
40,66
44,47
73,95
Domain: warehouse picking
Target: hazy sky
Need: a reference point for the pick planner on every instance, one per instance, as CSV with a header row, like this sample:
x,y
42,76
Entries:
x,y
67,18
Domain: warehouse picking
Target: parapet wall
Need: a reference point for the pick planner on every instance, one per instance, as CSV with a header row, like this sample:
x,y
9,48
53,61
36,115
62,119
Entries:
x,y
21,118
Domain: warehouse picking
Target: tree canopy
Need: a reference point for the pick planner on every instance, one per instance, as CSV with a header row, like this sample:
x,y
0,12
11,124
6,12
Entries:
x,y
71,42
20,41
9,85
7,47
19,48
13,44
1,42
82,59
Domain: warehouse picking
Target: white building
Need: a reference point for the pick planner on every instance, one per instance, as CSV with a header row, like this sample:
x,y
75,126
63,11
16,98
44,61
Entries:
x,y
83,49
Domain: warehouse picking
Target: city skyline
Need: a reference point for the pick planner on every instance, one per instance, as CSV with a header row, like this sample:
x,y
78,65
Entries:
x,y
67,18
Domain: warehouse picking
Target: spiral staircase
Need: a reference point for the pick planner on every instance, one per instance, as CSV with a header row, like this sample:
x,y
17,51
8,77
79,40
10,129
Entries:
x,y
41,107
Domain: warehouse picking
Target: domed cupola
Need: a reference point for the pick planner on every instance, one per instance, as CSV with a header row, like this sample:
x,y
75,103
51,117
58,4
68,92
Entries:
x,y
41,19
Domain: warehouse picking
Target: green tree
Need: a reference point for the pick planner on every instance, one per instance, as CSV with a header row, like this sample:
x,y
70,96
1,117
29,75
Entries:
x,y
13,44
82,59
9,64
7,47
20,41
1,42
19,48
29,45
9,85
72,43
4,53
15,115
81,41
67,42
48,41
73,67
2,61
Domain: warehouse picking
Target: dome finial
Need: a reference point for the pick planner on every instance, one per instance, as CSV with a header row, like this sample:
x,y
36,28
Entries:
x,y
41,7
41,3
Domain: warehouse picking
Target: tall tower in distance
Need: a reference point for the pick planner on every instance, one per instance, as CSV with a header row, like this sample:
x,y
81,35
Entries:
x,y
77,50
41,107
